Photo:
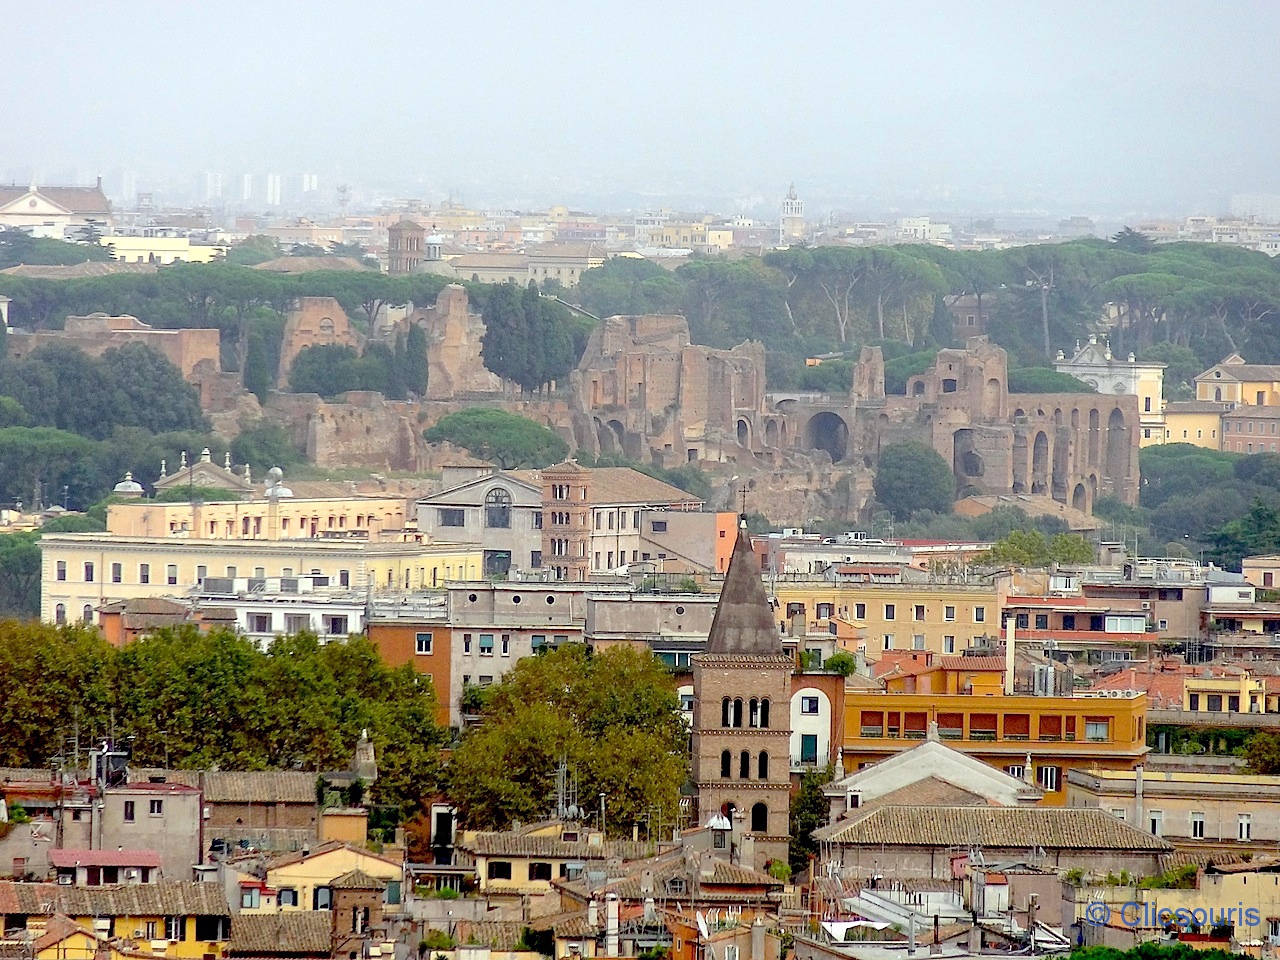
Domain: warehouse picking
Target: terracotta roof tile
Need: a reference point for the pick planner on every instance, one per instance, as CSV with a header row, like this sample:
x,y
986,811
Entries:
x,y
310,264
177,898
70,857
357,879
512,844
305,932
996,827
260,786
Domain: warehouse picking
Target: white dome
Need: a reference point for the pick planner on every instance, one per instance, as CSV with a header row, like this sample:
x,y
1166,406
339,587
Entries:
x,y
128,487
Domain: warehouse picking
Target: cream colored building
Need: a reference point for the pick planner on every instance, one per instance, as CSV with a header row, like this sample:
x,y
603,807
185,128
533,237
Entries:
x,y
268,518
162,250
867,613
1093,364
301,881
80,572
1235,381
1234,812
1197,422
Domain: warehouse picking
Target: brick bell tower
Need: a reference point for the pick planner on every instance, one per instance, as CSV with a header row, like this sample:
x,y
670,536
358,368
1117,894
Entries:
x,y
742,717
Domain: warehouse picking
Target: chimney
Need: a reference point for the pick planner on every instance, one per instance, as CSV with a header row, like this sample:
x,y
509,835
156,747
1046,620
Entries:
x,y
975,936
611,925
1009,642
757,939
593,913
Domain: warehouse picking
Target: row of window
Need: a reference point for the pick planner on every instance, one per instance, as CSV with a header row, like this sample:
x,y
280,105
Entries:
x,y
171,573
636,557
1241,426
605,519
919,612
731,712
918,642
1248,447
332,625
744,765
911,725
1196,822
155,808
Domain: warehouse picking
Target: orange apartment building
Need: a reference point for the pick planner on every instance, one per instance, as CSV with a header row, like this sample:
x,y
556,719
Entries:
x,y
1038,738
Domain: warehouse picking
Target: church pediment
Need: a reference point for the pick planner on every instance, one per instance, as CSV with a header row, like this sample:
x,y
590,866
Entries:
x,y
34,205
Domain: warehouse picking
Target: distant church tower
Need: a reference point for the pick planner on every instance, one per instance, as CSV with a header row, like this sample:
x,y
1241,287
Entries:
x,y
742,717
791,226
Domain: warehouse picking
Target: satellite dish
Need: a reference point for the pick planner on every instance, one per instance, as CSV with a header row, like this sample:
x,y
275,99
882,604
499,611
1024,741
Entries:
x,y
702,926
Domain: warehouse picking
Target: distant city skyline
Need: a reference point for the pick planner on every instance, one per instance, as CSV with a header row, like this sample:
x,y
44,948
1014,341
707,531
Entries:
x,y
1054,108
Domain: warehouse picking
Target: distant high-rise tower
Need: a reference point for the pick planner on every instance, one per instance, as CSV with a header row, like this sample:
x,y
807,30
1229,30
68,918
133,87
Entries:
x,y
246,186
273,189
791,225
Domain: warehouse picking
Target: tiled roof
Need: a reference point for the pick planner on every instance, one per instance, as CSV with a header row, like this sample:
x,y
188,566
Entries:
x,y
143,605
510,844
310,264
624,485
57,929
995,827
271,934
260,786
70,857
175,898
1245,371
78,271
929,792
497,934
80,200
1195,406
325,848
190,778
726,881
617,485
357,879
25,775
971,663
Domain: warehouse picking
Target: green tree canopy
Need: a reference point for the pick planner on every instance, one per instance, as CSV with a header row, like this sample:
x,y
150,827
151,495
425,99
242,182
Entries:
x,y
1031,548
215,698
613,717
507,439
912,477
1045,380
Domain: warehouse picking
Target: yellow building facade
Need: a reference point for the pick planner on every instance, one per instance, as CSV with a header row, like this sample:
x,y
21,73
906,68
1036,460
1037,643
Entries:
x,y
1235,381
1036,738
162,250
81,572
268,518
300,882
938,617
1198,422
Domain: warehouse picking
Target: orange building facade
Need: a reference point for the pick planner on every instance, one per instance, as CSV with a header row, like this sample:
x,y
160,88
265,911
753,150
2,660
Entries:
x,y
1037,738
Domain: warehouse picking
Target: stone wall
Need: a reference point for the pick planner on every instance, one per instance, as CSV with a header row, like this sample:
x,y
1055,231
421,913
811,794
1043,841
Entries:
x,y
313,322
454,364
645,392
97,333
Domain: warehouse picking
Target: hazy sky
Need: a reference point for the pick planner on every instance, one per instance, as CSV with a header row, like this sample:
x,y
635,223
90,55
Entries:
x,y
1125,104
